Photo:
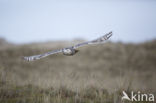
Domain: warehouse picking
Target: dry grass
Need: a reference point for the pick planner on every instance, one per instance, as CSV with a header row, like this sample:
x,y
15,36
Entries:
x,y
91,76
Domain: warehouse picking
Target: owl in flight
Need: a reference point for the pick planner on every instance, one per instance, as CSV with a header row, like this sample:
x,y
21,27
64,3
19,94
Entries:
x,y
69,51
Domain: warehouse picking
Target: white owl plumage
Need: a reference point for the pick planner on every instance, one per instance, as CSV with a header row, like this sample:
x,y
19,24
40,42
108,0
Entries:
x,y
70,50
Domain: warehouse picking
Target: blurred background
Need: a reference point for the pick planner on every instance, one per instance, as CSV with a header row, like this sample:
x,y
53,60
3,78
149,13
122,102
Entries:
x,y
35,21
125,62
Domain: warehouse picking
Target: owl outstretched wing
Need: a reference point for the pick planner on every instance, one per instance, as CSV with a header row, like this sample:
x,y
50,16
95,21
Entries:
x,y
35,57
96,41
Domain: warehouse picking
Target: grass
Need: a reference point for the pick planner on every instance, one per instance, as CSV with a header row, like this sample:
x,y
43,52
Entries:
x,y
97,74
32,94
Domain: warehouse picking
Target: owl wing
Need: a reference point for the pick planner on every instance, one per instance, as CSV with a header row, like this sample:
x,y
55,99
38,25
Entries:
x,y
35,57
96,41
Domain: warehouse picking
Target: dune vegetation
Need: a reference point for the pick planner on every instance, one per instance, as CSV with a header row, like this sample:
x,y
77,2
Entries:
x,y
96,74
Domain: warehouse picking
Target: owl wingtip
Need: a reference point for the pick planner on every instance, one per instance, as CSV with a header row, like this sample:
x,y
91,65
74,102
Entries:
x,y
25,58
109,34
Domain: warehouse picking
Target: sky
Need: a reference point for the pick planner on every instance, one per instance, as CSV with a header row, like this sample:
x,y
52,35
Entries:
x,y
25,21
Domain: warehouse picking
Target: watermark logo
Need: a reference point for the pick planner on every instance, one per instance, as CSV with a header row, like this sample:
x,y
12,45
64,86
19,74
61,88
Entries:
x,y
138,96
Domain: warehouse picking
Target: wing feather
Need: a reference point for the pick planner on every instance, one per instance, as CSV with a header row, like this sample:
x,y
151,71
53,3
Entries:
x,y
96,41
102,39
35,57
80,44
